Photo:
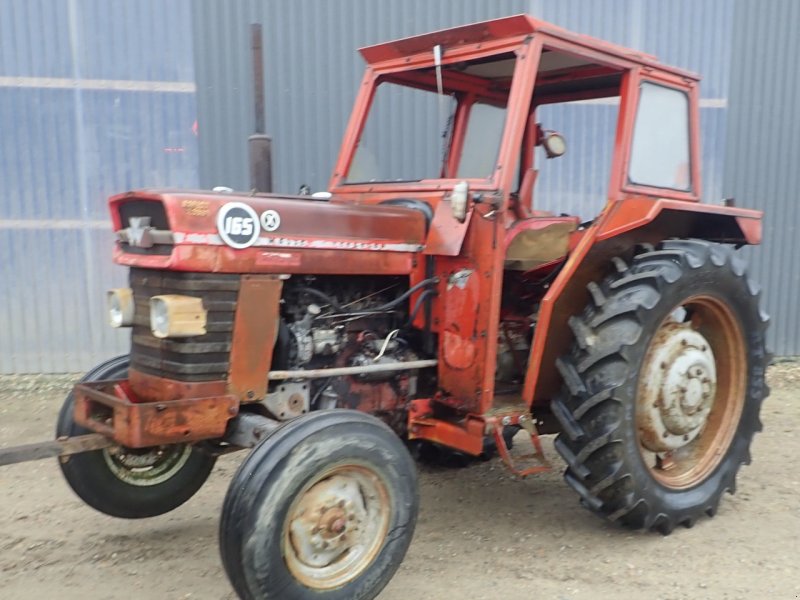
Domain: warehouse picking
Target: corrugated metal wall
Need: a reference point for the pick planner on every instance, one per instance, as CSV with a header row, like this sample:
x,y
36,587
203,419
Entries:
x,y
692,34
96,97
312,72
763,153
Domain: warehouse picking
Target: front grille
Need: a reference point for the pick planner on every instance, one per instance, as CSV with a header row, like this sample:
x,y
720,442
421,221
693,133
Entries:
x,y
157,214
199,358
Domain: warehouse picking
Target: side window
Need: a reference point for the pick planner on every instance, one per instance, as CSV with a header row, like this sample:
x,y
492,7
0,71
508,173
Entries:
x,y
482,140
403,136
660,149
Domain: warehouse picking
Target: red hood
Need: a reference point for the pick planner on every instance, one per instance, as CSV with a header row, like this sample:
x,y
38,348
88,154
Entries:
x,y
289,229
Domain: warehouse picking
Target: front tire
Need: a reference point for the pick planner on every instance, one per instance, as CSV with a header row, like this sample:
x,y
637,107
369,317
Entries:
x,y
130,483
323,508
663,386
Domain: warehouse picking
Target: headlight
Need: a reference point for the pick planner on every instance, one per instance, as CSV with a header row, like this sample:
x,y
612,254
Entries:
x,y
177,316
120,307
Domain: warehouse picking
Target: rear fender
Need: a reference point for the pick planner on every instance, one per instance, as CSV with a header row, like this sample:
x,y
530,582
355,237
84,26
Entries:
x,y
616,232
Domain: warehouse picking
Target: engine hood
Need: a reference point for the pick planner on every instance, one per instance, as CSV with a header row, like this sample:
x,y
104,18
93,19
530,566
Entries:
x,y
242,230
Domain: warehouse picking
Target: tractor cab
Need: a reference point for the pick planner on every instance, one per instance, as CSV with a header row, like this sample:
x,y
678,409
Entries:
x,y
472,117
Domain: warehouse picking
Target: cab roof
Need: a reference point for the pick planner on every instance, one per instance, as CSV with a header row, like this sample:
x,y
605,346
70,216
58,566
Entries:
x,y
506,28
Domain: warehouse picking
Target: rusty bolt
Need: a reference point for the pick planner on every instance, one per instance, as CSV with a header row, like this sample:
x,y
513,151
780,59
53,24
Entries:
x,y
338,526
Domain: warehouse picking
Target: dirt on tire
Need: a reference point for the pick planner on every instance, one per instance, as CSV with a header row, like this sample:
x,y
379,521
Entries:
x,y
481,534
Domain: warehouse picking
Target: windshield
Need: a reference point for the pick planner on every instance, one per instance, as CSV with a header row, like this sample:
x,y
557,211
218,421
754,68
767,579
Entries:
x,y
413,132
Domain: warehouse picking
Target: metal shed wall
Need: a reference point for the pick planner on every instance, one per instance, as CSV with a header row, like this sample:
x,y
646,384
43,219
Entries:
x,y
96,97
312,73
763,153
313,69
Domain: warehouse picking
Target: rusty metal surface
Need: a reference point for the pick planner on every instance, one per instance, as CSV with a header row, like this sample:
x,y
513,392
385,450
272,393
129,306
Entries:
x,y
255,329
698,400
526,422
678,385
332,220
466,435
374,239
446,233
151,388
54,448
335,528
104,408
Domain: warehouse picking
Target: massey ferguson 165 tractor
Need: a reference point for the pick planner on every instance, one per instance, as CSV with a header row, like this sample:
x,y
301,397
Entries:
x,y
426,300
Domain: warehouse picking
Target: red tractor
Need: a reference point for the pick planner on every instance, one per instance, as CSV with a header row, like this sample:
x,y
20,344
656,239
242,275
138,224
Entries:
x,y
425,301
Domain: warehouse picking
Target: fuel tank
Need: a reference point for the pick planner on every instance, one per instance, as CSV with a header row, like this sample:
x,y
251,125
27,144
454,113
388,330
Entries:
x,y
228,232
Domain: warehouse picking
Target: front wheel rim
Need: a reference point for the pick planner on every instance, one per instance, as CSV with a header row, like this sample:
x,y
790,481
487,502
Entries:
x,y
691,392
147,466
336,526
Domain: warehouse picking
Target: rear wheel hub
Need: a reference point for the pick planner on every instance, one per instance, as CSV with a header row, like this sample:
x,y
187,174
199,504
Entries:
x,y
679,386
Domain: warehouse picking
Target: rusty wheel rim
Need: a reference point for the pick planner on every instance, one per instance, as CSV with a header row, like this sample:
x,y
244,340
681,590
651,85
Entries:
x,y
146,466
336,526
691,392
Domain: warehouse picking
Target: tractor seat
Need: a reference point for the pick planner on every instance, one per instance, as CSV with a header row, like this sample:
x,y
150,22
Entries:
x,y
531,243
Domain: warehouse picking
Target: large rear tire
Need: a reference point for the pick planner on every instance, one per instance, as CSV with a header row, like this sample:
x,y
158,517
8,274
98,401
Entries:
x,y
663,386
130,483
324,509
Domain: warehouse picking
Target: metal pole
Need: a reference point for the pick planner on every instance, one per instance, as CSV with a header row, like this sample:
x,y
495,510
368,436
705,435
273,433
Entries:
x,y
259,144
59,447
341,371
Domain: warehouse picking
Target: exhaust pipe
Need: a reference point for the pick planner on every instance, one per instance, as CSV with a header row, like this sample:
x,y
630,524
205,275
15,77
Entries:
x,y
259,144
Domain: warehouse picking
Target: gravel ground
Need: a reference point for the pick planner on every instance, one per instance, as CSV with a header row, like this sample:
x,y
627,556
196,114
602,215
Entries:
x,y
481,534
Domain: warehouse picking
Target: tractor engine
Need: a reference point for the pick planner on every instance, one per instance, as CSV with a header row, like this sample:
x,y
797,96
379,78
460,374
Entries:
x,y
329,322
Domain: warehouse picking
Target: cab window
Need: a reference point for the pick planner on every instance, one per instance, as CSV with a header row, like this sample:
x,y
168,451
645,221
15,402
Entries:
x,y
660,149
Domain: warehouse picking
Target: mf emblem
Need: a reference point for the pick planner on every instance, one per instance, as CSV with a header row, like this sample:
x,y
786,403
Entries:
x,y
270,220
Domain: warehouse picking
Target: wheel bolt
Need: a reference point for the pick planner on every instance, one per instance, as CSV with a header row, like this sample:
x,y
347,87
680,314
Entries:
x,y
338,526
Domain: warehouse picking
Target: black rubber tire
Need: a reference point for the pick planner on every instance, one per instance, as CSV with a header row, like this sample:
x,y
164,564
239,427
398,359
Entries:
x,y
598,438
267,482
91,479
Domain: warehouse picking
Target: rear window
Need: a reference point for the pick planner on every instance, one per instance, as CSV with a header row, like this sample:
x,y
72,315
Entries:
x,y
660,149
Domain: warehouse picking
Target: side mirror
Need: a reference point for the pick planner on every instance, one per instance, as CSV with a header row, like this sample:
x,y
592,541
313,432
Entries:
x,y
553,143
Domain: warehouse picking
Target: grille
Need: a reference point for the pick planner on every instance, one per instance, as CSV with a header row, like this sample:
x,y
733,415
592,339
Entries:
x,y
158,220
198,358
